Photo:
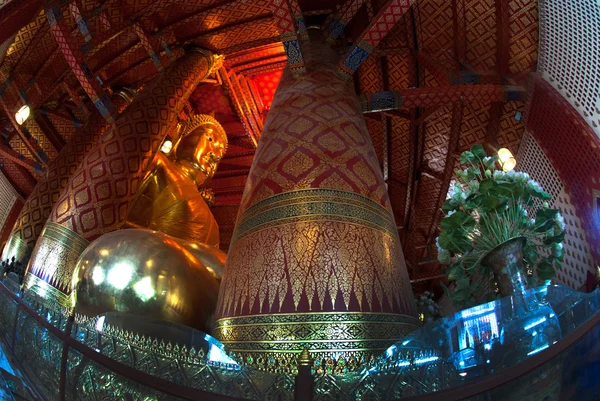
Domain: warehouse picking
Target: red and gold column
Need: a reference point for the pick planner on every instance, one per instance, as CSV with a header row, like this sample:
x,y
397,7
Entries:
x,y
38,205
98,195
315,260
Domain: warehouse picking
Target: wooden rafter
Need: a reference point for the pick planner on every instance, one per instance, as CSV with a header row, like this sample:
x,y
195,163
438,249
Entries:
x,y
299,19
30,143
439,96
74,58
50,131
238,106
451,154
338,21
249,100
289,37
502,36
460,31
383,22
19,159
502,59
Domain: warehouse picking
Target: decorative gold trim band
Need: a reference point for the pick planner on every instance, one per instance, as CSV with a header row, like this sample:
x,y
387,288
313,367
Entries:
x,y
315,204
65,236
47,294
337,341
15,246
327,331
56,254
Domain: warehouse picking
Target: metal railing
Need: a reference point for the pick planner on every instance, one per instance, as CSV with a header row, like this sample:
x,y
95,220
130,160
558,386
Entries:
x,y
60,367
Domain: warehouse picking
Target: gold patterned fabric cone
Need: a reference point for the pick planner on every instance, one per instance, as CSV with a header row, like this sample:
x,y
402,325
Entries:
x,y
39,203
315,259
98,195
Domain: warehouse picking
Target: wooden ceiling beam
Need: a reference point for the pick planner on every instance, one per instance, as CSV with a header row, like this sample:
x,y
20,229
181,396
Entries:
x,y
502,67
299,19
429,113
251,113
43,111
338,22
439,96
252,135
377,29
225,27
243,65
502,36
100,41
459,27
50,131
30,143
289,37
455,131
75,59
17,158
437,69
275,66
415,139
258,64
251,45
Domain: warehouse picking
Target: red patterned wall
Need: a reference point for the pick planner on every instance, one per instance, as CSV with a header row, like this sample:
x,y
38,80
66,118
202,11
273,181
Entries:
x,y
267,84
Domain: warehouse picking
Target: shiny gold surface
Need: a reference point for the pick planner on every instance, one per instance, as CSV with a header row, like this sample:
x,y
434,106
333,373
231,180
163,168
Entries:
x,y
150,274
169,199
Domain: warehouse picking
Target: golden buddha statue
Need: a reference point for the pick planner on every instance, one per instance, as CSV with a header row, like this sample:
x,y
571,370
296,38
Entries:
x,y
169,199
169,266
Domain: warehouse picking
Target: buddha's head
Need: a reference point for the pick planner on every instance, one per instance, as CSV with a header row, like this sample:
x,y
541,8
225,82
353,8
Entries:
x,y
202,145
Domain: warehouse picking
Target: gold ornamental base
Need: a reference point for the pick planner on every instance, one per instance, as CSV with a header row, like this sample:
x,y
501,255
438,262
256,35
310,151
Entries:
x,y
338,341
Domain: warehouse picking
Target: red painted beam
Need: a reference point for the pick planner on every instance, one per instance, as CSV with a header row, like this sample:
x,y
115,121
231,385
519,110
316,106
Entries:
x,y
440,95
19,159
15,14
336,25
299,18
30,143
502,36
145,41
238,106
437,69
383,22
289,37
451,153
50,131
74,58
460,30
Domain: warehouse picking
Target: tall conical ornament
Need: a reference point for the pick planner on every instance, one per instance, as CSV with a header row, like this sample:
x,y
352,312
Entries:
x,y
315,255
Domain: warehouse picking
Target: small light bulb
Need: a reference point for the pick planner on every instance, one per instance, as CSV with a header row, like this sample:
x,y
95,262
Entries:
x,y
504,155
166,147
509,165
22,115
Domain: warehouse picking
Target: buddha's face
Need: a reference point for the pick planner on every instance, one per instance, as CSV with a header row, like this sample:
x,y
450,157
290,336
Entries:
x,y
201,150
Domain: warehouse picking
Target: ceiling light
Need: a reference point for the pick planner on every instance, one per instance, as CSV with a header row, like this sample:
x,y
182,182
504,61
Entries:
x,y
507,160
509,165
22,115
166,147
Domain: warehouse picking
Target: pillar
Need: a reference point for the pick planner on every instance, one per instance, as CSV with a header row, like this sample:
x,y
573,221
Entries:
x,y
40,202
98,195
315,259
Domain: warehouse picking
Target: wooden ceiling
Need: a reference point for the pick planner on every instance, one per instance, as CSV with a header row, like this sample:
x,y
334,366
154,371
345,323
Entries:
x,y
436,44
